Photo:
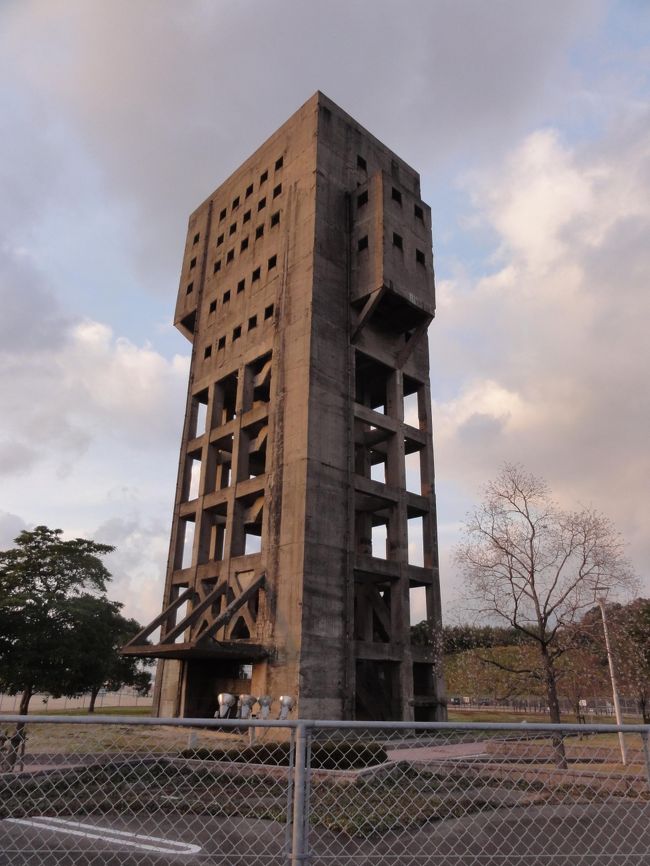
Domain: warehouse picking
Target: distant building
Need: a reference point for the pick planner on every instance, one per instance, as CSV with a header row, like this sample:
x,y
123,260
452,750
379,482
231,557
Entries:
x,y
306,291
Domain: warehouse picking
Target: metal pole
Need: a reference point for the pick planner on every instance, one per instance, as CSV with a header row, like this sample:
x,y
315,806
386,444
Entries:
x,y
612,675
298,847
646,755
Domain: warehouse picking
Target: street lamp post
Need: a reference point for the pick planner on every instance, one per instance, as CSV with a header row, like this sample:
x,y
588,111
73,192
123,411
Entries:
x,y
612,676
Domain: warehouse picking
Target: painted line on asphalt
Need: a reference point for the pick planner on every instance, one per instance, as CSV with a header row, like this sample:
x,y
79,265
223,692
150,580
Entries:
x,y
119,837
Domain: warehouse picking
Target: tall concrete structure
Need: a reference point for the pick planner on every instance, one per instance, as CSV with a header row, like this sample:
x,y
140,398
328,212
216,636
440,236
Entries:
x,y
306,292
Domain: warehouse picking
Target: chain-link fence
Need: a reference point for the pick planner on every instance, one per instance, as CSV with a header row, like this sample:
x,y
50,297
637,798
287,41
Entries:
x,y
147,791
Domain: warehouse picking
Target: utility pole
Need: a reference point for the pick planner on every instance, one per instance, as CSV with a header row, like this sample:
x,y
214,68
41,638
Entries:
x,y
612,675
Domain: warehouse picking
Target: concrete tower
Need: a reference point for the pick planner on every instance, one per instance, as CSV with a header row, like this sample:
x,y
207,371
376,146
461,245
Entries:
x,y
306,293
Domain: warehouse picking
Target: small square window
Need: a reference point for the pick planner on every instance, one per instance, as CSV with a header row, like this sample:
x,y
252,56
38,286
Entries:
x,y
361,163
419,257
223,213
252,323
363,243
190,288
236,333
207,351
268,311
397,241
261,204
256,274
279,163
217,266
235,203
226,297
241,285
222,343
264,177
362,199
275,218
233,229
419,213
219,240
249,191
259,231
213,307
277,190
273,262
247,216
193,263
396,195
230,256
197,238
244,245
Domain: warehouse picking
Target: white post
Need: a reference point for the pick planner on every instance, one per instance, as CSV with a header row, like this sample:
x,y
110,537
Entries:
x,y
612,675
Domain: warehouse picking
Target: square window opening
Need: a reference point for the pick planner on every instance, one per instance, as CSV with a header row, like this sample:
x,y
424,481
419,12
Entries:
x,y
273,262
396,195
249,191
219,240
236,333
252,323
232,229
230,256
207,352
279,163
217,266
223,213
259,231
197,237
190,288
268,312
244,245
397,241
380,541
415,541
264,177
226,296
235,203
361,163
213,307
275,218
261,204
419,257
363,243
419,213
413,472
277,190
222,343
256,274
247,216
362,199
199,414
241,285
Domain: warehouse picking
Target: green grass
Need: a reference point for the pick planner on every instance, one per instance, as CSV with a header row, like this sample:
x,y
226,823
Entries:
x,y
99,711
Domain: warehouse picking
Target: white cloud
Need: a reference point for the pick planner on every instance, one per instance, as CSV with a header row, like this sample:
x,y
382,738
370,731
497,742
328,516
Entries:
x,y
549,351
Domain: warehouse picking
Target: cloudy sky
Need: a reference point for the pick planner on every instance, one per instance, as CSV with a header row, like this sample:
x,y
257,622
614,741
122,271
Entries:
x,y
529,123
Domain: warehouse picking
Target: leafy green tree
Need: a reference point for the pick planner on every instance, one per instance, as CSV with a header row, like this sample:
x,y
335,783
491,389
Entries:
x,y
42,581
102,631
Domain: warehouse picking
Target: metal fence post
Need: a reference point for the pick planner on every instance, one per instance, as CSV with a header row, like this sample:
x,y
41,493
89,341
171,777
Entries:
x,y
300,806
646,755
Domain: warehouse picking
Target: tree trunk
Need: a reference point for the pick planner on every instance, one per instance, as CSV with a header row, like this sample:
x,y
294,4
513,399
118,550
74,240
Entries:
x,y
553,706
93,697
25,698
16,743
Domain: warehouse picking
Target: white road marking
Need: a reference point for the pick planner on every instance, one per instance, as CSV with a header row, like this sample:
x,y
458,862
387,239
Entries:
x,y
120,837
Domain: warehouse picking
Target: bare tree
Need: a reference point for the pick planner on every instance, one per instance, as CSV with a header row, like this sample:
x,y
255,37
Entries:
x,y
538,568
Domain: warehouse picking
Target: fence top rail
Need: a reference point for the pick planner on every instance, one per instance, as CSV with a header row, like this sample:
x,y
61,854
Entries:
x,y
12,718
